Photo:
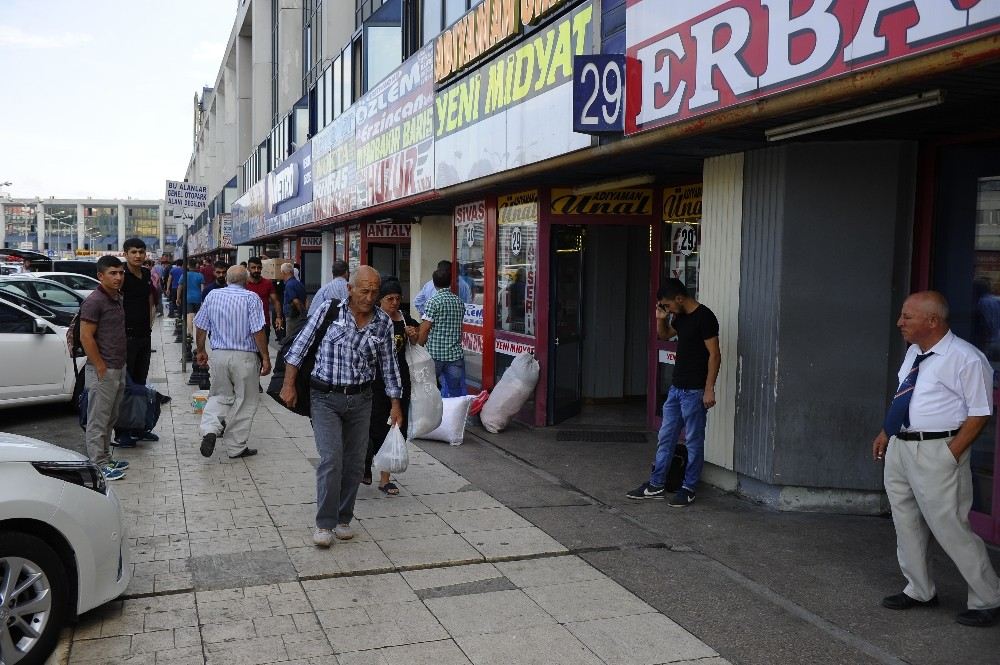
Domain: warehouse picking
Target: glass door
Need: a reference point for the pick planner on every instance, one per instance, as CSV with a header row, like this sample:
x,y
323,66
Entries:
x,y
966,269
566,303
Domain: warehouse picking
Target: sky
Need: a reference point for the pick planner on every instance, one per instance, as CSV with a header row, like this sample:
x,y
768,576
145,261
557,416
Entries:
x,y
96,95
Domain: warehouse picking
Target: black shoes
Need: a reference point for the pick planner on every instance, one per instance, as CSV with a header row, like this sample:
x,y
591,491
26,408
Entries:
x,y
208,445
979,618
901,601
646,491
246,452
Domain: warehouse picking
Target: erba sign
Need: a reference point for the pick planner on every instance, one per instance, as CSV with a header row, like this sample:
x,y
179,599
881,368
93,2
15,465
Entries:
x,y
697,56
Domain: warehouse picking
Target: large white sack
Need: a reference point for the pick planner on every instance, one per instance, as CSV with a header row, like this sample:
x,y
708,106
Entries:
x,y
510,394
452,429
425,398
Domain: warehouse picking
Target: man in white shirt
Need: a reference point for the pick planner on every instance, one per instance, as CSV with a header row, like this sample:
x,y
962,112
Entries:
x,y
944,399
335,289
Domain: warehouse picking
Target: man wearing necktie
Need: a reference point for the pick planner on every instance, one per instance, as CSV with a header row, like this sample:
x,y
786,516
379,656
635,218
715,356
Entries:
x,y
944,399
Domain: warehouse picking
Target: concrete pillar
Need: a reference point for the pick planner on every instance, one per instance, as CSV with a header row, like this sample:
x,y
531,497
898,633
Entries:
x,y
244,105
121,225
430,241
81,225
40,223
289,55
326,257
261,119
3,226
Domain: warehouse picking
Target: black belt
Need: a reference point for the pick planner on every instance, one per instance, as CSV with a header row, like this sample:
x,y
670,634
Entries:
x,y
925,436
325,387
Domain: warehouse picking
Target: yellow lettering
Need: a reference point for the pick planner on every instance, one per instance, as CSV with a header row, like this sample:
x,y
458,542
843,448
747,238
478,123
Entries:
x,y
453,117
543,52
581,26
509,79
441,101
524,69
495,86
563,56
469,99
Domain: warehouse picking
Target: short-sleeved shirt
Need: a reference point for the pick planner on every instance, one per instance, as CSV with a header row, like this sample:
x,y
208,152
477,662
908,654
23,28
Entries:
x,y
336,289
135,299
293,289
107,312
691,368
175,276
446,311
264,288
953,384
194,282
231,317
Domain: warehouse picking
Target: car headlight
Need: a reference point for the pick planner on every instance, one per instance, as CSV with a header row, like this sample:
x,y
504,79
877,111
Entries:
x,y
85,474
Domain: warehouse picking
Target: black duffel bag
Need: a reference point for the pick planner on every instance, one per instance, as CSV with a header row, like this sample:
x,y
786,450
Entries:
x,y
302,406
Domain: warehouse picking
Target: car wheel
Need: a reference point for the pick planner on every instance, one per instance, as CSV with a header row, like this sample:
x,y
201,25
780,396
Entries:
x,y
32,599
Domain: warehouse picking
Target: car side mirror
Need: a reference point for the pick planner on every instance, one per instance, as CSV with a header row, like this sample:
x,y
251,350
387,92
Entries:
x,y
39,327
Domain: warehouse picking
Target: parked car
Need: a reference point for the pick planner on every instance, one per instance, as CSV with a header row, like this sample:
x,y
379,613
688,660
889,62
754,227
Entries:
x,y
49,293
56,316
63,547
80,283
77,266
37,366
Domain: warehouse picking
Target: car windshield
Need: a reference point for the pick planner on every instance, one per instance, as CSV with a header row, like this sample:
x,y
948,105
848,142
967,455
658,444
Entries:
x,y
46,292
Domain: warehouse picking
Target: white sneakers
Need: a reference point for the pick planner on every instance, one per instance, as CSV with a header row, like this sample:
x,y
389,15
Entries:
x,y
322,537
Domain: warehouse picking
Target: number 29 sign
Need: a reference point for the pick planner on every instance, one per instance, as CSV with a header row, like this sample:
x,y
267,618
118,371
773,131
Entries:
x,y
599,93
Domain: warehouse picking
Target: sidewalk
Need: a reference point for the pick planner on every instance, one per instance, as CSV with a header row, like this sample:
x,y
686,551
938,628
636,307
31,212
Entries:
x,y
225,571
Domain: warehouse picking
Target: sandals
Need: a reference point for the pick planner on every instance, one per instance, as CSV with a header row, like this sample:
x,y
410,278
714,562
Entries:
x,y
389,488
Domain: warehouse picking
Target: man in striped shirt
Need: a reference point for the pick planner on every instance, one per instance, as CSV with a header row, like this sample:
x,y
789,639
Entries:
x,y
234,320
359,339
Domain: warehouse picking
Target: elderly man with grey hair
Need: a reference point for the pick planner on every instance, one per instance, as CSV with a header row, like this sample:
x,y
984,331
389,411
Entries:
x,y
294,304
234,321
335,289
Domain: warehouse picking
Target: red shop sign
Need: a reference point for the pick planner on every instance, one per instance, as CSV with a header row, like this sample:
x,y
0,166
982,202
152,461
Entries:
x,y
699,56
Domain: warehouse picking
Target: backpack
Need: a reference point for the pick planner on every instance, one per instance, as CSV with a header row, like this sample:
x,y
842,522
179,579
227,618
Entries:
x,y
73,343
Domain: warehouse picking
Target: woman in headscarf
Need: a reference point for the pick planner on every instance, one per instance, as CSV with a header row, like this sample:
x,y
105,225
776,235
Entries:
x,y
404,328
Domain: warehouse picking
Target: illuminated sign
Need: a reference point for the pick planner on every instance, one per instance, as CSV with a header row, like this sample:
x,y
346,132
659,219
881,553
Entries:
x,y
611,202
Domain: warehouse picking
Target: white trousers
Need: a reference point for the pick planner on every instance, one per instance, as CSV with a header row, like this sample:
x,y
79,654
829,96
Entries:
x,y
233,397
931,494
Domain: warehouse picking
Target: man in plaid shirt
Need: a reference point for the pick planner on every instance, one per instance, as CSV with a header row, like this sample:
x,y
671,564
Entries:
x,y
441,331
359,336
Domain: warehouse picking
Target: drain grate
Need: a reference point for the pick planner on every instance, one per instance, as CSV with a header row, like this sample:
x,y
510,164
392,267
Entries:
x,y
603,437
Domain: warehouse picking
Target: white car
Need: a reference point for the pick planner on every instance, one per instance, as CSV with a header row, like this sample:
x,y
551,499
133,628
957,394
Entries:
x,y
80,283
36,365
63,547
49,293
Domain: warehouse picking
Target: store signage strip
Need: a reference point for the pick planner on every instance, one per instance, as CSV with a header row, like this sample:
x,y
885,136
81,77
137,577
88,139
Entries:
x,y
699,57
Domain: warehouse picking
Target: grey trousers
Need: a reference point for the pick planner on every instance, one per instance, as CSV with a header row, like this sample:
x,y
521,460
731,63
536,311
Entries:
x,y
931,494
233,396
340,425
104,398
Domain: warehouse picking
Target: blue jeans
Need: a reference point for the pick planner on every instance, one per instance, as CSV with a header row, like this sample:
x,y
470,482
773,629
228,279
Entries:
x,y
687,408
451,377
340,425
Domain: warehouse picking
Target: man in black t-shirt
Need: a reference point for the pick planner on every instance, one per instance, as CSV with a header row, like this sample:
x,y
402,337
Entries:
x,y
140,308
692,392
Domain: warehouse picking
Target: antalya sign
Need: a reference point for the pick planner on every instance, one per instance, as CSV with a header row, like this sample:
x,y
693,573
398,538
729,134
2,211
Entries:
x,y
698,56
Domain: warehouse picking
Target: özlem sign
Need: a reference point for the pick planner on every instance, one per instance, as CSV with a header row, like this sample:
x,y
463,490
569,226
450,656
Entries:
x,y
486,27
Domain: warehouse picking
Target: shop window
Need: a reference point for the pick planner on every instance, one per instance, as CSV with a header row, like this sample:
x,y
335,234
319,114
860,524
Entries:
x,y
681,235
354,248
339,244
470,235
517,240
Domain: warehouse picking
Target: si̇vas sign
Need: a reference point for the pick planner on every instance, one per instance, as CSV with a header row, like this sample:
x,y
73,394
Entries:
x,y
698,56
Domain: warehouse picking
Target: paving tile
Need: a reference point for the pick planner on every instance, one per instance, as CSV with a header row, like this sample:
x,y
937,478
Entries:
x,y
389,507
227,631
434,485
439,577
359,591
237,569
376,626
406,526
593,599
233,610
645,639
497,611
170,619
549,570
542,645
484,519
459,501
511,543
254,651
429,550
341,558
158,640
101,648
444,652
307,645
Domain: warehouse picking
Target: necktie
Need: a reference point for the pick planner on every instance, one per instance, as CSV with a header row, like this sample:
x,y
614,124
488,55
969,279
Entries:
x,y
898,415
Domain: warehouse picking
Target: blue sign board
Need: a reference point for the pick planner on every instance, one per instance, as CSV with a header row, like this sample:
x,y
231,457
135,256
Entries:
x,y
598,93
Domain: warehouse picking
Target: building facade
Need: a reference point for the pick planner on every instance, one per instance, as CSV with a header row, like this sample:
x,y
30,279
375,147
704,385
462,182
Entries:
x,y
67,228
801,167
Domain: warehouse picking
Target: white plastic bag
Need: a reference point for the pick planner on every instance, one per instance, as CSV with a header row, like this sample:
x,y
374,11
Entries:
x,y
392,457
452,429
510,394
425,398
